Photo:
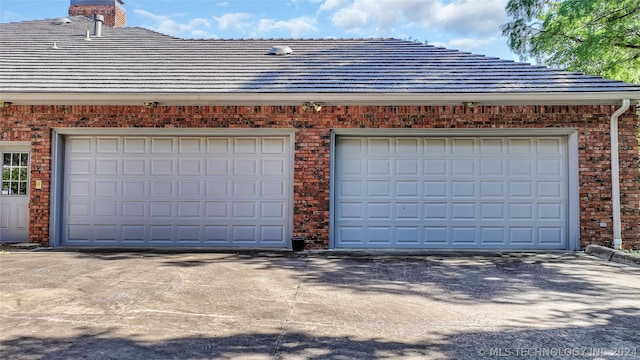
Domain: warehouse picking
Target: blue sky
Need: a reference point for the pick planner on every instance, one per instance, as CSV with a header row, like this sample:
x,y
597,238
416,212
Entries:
x,y
466,25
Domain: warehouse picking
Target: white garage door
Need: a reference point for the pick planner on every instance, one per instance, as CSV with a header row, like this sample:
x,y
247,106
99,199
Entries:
x,y
451,192
177,191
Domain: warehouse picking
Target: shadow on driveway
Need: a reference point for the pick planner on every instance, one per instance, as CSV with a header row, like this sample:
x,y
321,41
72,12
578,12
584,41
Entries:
x,y
614,337
307,306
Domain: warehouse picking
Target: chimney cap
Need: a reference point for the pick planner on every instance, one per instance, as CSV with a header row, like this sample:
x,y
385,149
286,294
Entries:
x,y
119,3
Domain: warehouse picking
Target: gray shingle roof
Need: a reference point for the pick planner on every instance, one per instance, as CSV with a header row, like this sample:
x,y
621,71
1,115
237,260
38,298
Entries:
x,y
128,64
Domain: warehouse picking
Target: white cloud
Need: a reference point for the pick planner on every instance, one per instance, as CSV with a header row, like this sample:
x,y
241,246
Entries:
x,y
472,16
223,4
471,44
167,25
492,46
237,25
462,17
329,5
296,27
350,19
237,21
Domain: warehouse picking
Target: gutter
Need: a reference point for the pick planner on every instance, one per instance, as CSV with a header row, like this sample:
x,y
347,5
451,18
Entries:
x,y
615,174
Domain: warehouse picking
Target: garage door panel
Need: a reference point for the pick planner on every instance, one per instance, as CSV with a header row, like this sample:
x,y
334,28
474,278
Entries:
x,y
134,188
274,145
245,145
436,188
351,188
109,188
134,145
190,167
272,188
135,209
435,167
491,147
106,210
521,168
80,145
79,209
218,167
520,146
379,188
162,167
217,209
463,189
492,189
520,190
80,188
551,189
217,188
245,188
106,233
489,192
463,211
80,166
107,145
552,146
436,146
407,210
550,168
493,236
134,167
436,210
464,236
107,167
492,167
492,211
463,167
407,235
160,145
462,146
550,236
177,191
436,235
523,235
380,235
272,167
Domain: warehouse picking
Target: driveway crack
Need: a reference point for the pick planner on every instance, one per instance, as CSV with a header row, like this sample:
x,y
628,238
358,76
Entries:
x,y
285,326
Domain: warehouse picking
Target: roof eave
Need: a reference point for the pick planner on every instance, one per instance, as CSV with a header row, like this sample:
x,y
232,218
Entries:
x,y
287,99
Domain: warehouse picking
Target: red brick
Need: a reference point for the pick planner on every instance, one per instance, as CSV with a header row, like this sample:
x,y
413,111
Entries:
x,y
312,149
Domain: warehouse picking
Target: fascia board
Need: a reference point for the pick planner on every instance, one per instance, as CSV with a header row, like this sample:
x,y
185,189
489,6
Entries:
x,y
288,99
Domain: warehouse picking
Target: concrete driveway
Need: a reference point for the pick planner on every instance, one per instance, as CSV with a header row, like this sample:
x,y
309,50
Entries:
x,y
75,305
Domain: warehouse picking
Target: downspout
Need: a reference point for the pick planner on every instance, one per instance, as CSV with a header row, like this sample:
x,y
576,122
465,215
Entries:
x,y
615,175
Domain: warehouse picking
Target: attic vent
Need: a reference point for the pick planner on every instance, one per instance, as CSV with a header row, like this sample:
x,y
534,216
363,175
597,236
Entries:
x,y
280,50
62,21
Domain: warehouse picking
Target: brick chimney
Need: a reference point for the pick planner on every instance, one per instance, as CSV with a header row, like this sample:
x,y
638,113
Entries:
x,y
112,10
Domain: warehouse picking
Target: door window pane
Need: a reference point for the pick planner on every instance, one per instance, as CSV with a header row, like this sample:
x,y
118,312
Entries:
x,y
15,174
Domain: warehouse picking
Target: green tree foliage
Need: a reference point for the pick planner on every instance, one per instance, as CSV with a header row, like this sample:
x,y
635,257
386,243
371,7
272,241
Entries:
x,y
596,37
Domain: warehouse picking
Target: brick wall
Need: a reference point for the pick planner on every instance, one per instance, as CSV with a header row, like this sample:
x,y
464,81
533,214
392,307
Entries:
x,y
113,15
312,149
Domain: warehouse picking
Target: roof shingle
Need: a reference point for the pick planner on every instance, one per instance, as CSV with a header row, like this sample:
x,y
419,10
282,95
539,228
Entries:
x,y
127,61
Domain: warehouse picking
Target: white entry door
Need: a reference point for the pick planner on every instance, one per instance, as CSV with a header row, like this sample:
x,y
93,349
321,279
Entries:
x,y
451,192
14,194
